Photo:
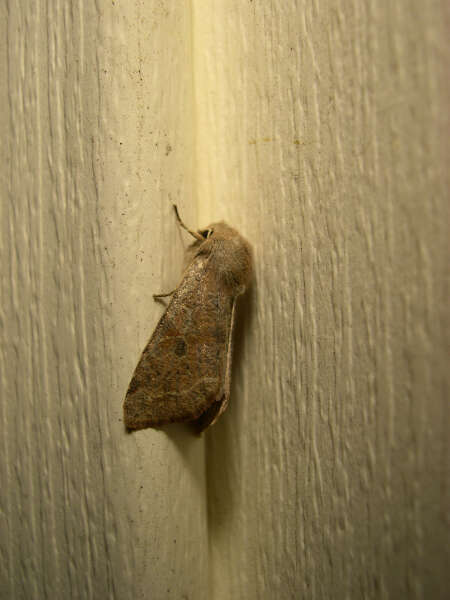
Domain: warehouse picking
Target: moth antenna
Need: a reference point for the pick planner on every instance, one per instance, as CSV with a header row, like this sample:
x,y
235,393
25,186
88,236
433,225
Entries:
x,y
180,222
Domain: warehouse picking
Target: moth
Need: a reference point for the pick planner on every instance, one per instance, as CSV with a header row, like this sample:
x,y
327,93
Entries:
x,y
184,372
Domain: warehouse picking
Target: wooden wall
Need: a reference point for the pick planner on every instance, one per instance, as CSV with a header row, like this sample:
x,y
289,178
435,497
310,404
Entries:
x,y
320,130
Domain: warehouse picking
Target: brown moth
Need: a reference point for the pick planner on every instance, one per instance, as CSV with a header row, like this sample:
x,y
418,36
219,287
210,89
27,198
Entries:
x,y
183,374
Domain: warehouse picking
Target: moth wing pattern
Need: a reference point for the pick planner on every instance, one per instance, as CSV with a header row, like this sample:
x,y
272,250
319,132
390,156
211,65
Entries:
x,y
182,373
210,416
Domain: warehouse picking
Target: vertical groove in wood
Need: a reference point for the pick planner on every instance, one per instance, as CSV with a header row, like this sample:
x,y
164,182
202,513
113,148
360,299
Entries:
x,y
97,147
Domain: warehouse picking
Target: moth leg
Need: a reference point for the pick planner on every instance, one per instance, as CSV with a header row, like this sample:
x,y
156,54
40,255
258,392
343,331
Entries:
x,y
158,296
180,222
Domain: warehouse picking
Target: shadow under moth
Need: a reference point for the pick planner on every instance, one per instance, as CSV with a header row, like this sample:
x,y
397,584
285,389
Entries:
x,y
184,372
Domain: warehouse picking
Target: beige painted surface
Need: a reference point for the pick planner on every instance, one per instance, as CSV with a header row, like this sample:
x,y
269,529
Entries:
x,y
318,129
96,143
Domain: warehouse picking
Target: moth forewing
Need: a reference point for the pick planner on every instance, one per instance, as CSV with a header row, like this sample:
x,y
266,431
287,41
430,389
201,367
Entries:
x,y
227,378
184,372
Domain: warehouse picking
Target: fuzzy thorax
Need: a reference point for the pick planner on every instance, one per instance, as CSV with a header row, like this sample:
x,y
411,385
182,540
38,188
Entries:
x,y
231,256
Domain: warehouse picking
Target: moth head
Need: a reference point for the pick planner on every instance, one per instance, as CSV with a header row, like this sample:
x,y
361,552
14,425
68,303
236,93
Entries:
x,y
219,231
206,233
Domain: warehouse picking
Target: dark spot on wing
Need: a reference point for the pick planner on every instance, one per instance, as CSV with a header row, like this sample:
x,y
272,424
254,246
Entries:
x,y
180,347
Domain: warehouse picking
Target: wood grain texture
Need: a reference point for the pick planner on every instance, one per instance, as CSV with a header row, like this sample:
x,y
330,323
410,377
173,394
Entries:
x,y
317,130
321,125
94,97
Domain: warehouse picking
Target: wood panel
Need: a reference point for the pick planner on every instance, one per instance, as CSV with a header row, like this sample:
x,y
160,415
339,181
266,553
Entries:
x,y
96,147
317,129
